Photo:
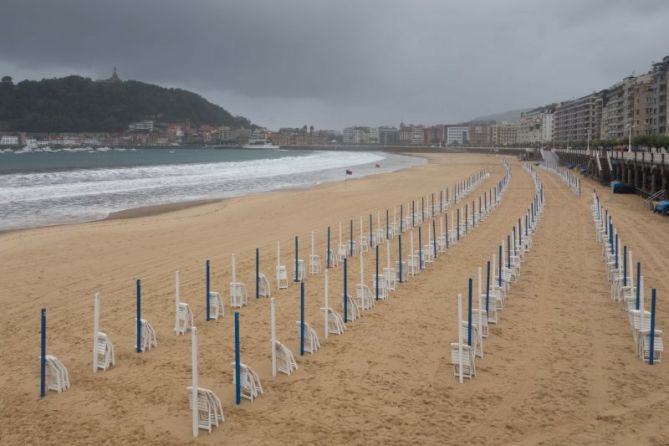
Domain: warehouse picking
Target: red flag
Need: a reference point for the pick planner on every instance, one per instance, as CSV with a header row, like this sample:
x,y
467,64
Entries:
x,y
349,172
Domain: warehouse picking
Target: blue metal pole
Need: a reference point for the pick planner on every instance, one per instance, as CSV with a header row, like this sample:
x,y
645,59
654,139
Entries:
x,y
345,291
139,316
508,251
399,244
458,225
238,384
370,231
401,218
42,382
466,217
469,313
387,226
434,239
514,240
257,273
413,213
302,319
329,253
625,265
377,272
651,353
616,251
473,214
207,288
487,287
296,257
638,285
351,238
420,247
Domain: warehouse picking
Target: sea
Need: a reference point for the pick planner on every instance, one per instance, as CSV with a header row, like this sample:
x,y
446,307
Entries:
x,y
49,186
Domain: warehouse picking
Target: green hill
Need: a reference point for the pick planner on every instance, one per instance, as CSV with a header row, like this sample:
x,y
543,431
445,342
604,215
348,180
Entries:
x,y
78,104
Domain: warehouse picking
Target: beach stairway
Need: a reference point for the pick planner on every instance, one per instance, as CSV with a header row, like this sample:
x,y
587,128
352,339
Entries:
x,y
210,410
57,376
285,361
104,351
250,385
311,342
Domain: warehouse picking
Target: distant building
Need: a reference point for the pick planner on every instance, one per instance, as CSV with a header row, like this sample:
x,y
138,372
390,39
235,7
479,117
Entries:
x,y
388,135
505,134
141,126
536,126
659,115
578,119
457,135
547,128
479,135
113,79
9,140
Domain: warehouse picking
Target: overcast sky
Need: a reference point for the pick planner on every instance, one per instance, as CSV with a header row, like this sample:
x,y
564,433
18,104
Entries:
x,y
335,63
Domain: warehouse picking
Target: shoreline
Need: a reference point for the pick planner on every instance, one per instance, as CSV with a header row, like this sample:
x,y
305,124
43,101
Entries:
x,y
165,208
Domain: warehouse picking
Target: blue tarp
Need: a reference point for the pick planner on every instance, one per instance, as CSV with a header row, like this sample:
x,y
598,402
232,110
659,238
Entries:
x,y
618,187
570,166
662,207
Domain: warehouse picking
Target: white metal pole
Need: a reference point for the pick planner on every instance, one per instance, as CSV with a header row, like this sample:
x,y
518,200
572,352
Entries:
x,y
413,266
361,232
312,244
494,258
234,269
194,383
325,302
96,329
460,335
362,273
273,334
388,253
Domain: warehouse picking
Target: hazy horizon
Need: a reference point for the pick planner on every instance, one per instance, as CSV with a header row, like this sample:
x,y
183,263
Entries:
x,y
336,64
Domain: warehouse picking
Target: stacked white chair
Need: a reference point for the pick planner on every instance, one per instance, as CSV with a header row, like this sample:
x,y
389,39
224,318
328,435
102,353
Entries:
x,y
148,336
264,290
335,322
314,264
311,343
238,295
353,312
300,270
216,309
363,297
57,376
466,358
104,349
210,410
383,286
184,318
250,385
285,361
281,277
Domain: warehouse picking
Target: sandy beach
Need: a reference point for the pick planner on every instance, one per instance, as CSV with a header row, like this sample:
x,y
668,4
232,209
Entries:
x,y
559,368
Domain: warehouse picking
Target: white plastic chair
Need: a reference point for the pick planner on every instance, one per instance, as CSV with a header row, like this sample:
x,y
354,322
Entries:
x,y
184,318
148,336
285,361
311,343
210,410
390,277
314,264
216,309
363,297
335,322
249,381
264,290
104,349
281,277
353,312
57,376
238,296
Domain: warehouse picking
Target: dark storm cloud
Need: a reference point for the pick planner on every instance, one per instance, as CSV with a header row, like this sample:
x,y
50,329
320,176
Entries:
x,y
336,63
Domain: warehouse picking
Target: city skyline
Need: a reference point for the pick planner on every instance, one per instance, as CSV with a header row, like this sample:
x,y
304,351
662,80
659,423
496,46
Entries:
x,y
335,64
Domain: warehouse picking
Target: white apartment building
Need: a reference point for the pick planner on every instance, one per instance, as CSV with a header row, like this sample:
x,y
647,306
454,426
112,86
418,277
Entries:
x,y
457,135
